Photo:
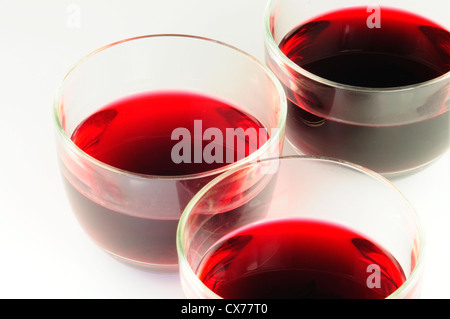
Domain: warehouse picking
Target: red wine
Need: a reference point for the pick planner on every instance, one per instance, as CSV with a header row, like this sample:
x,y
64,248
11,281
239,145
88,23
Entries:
x,y
339,46
293,258
135,134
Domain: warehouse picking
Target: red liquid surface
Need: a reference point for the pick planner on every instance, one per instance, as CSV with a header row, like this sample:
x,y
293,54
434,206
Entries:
x,y
299,259
339,46
134,134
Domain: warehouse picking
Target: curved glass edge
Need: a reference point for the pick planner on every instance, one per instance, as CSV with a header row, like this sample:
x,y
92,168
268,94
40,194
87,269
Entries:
x,y
401,292
273,139
275,50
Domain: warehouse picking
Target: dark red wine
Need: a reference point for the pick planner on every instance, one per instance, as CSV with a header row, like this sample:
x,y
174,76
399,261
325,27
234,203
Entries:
x,y
135,134
339,46
295,258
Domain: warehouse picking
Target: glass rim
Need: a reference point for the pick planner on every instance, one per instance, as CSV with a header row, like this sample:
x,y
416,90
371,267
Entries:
x,y
273,138
404,288
273,47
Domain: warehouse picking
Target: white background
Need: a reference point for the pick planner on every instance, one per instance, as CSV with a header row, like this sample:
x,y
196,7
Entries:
x,y
43,251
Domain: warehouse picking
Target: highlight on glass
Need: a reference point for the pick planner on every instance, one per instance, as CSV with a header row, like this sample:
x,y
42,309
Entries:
x,y
144,123
300,227
365,83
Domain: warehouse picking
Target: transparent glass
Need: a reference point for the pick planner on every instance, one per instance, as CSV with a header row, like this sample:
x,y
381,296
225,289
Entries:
x,y
389,128
134,216
301,188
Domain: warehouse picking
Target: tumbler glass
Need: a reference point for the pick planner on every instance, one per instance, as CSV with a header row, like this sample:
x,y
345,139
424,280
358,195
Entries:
x,y
365,83
321,228
134,216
